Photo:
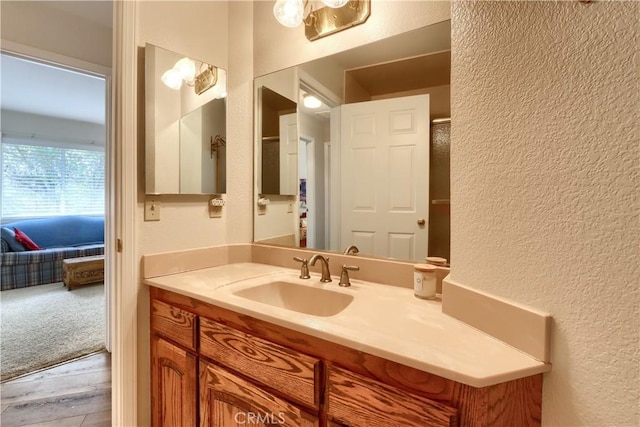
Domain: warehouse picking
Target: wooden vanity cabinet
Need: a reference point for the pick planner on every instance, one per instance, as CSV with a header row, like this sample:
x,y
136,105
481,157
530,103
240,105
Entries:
x,y
216,367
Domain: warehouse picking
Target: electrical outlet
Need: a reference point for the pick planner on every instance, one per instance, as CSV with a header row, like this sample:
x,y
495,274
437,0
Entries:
x,y
290,207
152,208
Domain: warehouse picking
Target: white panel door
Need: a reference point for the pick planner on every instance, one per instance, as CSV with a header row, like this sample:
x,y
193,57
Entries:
x,y
289,154
385,177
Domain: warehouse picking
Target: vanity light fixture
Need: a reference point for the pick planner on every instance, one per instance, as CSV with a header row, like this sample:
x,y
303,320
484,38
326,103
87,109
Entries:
x,y
338,15
185,71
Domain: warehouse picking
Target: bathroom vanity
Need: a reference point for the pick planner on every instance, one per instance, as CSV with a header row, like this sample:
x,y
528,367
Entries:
x,y
222,355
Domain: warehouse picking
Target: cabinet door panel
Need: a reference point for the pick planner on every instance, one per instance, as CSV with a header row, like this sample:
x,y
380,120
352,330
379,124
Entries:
x,y
358,401
227,400
173,385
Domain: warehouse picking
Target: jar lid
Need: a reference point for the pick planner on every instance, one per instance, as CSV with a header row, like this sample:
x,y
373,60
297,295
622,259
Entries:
x,y
426,268
436,260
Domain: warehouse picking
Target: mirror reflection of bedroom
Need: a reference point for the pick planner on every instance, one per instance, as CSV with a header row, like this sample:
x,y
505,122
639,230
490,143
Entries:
x,y
54,152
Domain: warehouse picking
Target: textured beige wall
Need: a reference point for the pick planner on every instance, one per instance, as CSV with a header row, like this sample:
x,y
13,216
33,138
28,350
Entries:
x,y
544,188
240,124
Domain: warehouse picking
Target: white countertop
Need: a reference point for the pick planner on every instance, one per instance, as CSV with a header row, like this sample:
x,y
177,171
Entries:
x,y
385,321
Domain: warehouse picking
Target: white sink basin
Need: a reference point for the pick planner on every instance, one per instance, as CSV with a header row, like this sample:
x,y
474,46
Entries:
x,y
296,297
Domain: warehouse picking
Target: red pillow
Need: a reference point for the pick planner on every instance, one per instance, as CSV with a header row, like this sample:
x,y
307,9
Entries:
x,y
26,241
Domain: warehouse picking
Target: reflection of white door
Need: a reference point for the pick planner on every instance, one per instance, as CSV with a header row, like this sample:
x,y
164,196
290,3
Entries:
x,y
289,154
385,177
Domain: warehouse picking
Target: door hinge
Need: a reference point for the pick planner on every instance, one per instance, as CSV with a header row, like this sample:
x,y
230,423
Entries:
x,y
118,245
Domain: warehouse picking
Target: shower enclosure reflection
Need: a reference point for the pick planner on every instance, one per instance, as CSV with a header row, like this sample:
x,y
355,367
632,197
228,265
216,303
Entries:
x,y
279,143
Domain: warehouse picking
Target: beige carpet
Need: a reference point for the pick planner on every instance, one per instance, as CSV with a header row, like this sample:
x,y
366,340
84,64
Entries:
x,y
41,326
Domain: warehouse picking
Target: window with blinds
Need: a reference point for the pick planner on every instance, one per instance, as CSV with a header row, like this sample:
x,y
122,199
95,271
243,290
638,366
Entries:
x,y
41,180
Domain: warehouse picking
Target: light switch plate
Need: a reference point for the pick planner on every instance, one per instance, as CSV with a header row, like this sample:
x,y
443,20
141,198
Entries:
x,y
152,208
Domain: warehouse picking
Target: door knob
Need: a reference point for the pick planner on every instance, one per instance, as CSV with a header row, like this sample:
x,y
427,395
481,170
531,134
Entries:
x,y
421,221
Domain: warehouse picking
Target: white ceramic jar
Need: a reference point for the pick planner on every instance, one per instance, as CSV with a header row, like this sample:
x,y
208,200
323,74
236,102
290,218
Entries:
x,y
424,281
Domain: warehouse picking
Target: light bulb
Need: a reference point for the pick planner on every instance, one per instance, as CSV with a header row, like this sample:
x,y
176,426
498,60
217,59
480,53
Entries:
x,y
186,67
172,78
311,101
335,3
289,12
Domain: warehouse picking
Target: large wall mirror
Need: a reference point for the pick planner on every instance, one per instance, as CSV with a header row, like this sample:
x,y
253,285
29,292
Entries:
x,y
185,109
372,150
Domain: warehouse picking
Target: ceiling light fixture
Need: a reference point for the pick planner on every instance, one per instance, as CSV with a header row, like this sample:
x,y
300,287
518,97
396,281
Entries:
x,y
311,101
338,15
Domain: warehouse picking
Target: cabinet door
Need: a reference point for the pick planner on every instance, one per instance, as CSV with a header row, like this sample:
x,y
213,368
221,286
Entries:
x,y
173,385
357,401
228,401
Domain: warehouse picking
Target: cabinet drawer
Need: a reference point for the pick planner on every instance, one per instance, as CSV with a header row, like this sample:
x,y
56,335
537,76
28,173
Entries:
x,y
174,323
355,400
293,374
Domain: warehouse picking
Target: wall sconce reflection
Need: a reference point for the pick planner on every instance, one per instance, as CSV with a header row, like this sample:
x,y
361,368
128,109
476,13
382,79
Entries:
x,y
185,71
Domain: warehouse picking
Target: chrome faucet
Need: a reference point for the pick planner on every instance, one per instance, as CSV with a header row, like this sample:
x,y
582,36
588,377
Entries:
x,y
353,249
326,275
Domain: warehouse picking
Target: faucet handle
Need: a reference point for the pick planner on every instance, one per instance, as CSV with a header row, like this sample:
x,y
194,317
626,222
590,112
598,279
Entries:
x,y
344,276
304,268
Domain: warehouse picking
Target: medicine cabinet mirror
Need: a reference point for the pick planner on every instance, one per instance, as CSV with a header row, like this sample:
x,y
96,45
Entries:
x,y
185,124
372,150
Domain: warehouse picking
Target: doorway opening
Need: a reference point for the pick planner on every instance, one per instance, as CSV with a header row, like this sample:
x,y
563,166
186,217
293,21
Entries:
x,y
55,155
314,165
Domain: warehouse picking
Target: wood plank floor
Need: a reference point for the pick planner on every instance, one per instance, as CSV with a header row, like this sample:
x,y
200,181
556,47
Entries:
x,y
74,394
